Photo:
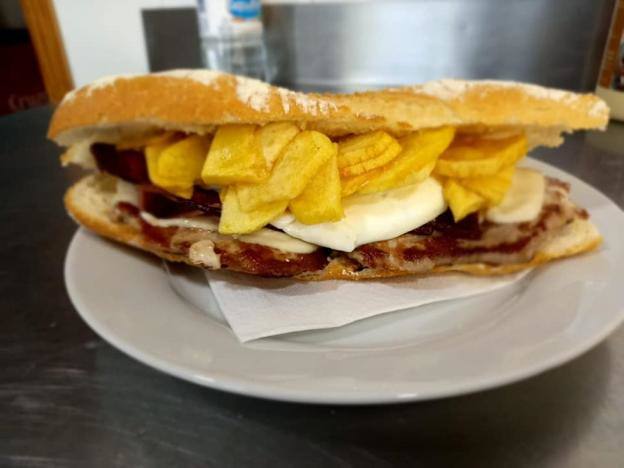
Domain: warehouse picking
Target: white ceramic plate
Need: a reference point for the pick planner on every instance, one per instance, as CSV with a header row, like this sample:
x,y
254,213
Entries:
x,y
554,314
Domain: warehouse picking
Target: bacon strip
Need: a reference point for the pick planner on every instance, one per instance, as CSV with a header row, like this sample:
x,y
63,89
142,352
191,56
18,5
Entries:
x,y
130,166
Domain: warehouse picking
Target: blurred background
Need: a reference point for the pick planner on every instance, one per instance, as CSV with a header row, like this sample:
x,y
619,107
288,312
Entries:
x,y
21,84
310,44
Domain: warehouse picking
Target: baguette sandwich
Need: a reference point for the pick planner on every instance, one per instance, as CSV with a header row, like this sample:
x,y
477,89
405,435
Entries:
x,y
220,171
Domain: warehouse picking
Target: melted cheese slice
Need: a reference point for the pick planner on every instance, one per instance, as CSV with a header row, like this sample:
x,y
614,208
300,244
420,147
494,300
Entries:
x,y
125,192
523,201
202,252
373,217
266,237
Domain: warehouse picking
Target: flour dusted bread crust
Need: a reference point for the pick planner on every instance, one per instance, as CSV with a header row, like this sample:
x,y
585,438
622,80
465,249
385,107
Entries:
x,y
113,108
187,100
93,208
542,113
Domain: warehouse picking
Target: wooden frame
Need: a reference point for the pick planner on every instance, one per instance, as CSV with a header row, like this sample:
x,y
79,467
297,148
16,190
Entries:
x,y
42,23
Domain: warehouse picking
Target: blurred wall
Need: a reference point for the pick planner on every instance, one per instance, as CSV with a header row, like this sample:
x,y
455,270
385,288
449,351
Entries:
x,y
11,15
105,37
355,44
21,85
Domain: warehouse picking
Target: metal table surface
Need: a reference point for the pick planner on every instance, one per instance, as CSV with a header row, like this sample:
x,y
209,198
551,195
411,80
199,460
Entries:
x,y
67,398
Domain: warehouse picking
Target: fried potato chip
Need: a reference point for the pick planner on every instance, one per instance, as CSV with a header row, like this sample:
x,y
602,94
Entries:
x,y
235,156
379,183
236,221
351,185
182,162
320,201
414,164
492,188
153,154
391,152
273,139
461,201
353,151
294,168
481,158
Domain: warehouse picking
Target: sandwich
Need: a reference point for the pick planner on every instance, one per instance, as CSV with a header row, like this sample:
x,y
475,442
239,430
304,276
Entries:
x,y
226,172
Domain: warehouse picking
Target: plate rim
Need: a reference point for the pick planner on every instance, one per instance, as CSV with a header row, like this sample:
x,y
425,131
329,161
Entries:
x,y
273,391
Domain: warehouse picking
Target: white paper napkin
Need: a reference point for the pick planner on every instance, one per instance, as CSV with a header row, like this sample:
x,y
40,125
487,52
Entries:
x,y
259,307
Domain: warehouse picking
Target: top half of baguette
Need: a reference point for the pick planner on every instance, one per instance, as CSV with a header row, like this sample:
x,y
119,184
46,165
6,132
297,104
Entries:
x,y
113,108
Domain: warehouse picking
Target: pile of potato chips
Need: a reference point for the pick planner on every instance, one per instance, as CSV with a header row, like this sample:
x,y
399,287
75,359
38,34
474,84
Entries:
x,y
477,173
264,171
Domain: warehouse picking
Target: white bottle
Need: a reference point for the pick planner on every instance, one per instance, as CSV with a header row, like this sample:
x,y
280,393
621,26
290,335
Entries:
x,y
610,85
231,37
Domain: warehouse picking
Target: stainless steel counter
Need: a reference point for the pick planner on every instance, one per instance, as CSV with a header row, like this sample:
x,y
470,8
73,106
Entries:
x,y
67,399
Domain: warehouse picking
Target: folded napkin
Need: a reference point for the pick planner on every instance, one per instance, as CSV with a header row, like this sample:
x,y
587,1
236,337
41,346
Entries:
x,y
258,307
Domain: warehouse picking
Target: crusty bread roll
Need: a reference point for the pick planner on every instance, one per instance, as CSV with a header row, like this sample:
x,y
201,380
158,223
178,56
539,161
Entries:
x,y
196,101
